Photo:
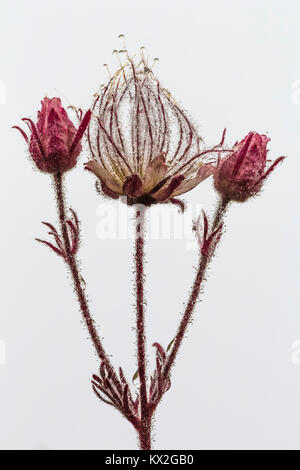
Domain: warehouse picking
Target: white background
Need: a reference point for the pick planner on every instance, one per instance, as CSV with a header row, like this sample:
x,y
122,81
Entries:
x,y
230,63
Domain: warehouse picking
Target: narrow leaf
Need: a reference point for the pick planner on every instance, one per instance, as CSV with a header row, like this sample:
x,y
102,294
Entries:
x,y
135,376
170,345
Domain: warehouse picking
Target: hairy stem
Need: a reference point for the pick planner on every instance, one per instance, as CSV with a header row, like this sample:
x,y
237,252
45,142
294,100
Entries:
x,y
145,429
200,276
145,435
73,265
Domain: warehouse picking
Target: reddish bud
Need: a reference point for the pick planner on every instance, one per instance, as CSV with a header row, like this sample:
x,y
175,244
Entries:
x,y
54,143
241,174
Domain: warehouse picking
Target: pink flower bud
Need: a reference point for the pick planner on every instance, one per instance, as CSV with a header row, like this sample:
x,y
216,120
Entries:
x,y
54,142
241,174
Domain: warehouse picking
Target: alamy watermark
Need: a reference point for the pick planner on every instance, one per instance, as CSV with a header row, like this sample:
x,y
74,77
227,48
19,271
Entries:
x,y
295,354
116,222
296,92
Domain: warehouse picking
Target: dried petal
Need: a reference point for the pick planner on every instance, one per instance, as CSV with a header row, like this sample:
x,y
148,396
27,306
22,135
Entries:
x,y
204,172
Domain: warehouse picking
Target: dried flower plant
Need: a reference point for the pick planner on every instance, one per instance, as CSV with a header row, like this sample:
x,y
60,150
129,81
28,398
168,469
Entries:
x,y
145,148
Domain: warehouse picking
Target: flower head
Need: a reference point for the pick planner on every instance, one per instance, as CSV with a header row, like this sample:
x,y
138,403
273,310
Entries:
x,y
54,142
143,144
241,174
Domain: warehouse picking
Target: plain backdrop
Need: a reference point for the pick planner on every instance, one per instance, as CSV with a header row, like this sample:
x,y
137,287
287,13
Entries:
x,y
236,384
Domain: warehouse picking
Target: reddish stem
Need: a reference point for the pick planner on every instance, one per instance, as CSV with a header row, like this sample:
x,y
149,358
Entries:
x,y
145,426
204,262
72,262
145,435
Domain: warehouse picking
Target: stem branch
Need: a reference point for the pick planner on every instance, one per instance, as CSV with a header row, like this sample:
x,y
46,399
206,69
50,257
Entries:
x,y
204,262
73,265
145,428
